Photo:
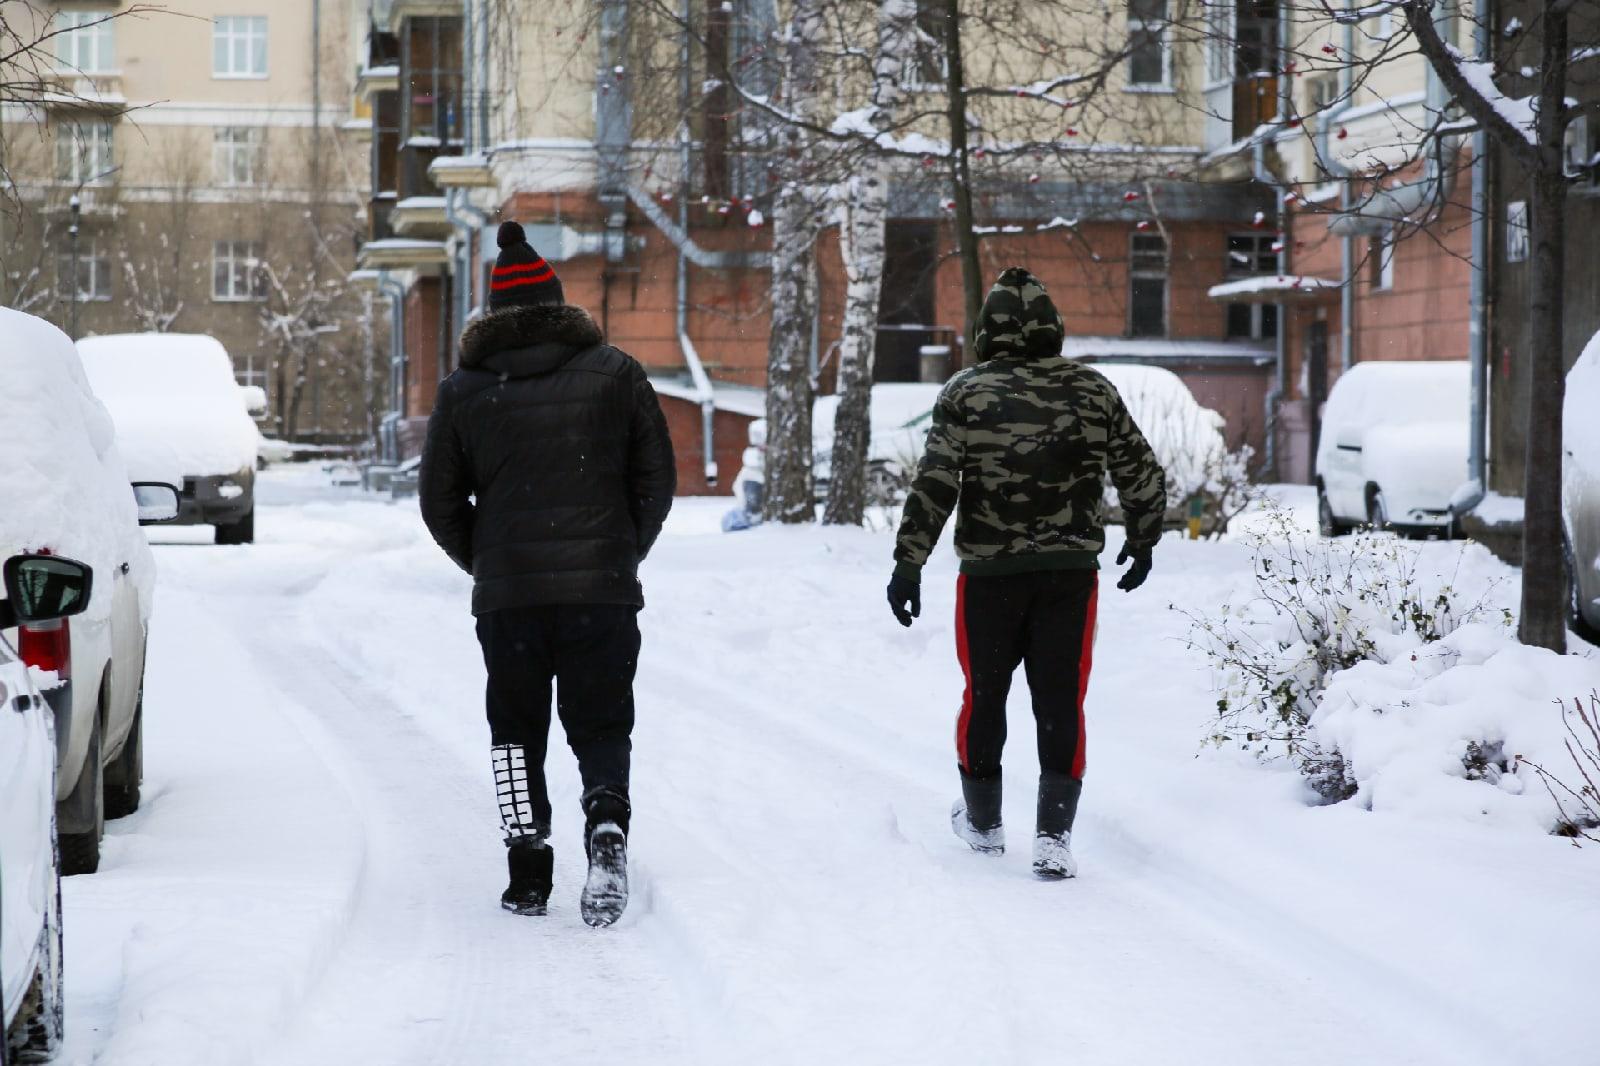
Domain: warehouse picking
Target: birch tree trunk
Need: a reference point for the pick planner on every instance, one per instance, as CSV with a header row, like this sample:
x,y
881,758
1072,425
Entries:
x,y
788,490
861,244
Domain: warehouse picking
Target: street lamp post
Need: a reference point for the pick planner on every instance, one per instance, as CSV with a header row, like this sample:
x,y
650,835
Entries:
x,y
75,206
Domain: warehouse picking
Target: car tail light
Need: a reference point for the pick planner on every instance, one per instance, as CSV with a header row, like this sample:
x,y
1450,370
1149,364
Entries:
x,y
47,646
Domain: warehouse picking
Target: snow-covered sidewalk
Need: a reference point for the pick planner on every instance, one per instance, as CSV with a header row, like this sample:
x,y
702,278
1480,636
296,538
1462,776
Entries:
x,y
315,876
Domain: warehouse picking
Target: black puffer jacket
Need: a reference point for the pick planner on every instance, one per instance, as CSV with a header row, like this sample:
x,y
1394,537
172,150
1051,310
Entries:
x,y
548,471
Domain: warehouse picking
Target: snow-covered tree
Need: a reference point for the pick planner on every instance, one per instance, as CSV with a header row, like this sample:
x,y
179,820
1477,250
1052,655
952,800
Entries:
x,y
864,203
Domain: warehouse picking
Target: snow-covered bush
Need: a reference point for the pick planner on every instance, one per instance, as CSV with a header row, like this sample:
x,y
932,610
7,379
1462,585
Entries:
x,y
1577,803
1320,606
1189,443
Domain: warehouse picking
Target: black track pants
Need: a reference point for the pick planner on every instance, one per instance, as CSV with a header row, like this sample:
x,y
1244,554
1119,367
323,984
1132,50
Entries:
x,y
1043,621
588,655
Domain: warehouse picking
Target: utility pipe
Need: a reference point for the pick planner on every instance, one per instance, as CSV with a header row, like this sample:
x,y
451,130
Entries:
x,y
703,388
397,362
1471,494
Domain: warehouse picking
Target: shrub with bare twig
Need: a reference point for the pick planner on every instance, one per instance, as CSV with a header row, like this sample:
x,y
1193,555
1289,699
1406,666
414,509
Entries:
x,y
1578,804
1320,606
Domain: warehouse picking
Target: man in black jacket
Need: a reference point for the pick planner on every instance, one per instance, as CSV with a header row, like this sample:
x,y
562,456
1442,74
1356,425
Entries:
x,y
547,475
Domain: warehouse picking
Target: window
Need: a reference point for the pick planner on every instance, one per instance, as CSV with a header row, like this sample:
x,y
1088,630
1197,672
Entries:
x,y
1251,253
235,271
430,72
1147,286
236,155
239,46
1323,91
1381,258
926,69
94,272
1149,53
1517,238
83,152
84,41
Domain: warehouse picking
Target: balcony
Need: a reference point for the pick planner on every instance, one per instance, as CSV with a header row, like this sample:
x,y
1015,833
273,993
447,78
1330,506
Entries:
x,y
75,91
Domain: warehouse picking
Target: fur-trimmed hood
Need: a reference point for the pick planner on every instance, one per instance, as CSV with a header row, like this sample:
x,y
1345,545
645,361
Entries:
x,y
527,340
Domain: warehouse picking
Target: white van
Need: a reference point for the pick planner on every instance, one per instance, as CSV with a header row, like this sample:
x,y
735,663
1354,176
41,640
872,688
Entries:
x,y
1393,447
182,417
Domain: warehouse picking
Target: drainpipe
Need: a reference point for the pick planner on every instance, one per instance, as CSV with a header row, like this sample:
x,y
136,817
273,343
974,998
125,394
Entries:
x,y
691,357
397,365
1470,494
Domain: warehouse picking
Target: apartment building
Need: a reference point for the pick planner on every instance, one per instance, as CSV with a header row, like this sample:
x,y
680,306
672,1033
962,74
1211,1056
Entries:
x,y
203,155
648,188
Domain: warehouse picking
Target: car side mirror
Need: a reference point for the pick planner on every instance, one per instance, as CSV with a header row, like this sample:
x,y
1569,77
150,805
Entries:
x,y
158,502
255,399
43,588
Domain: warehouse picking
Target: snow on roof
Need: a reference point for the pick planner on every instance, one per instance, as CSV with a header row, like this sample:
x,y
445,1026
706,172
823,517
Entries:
x,y
1271,283
400,244
178,410
63,485
743,400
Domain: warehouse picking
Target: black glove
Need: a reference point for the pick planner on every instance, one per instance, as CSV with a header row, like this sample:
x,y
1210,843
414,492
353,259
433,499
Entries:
x,y
905,599
1135,575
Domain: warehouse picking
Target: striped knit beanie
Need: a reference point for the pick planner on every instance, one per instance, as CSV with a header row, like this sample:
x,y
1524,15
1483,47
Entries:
x,y
521,276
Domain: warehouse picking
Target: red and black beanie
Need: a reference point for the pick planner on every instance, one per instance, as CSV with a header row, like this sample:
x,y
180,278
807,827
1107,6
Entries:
x,y
521,277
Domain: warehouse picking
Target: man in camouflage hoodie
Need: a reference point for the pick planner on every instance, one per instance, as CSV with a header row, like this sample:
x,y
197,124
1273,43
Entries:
x,y
1020,447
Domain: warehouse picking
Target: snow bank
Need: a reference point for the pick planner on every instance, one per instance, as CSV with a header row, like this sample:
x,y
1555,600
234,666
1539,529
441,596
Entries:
x,y
1437,733
1186,437
178,411
63,484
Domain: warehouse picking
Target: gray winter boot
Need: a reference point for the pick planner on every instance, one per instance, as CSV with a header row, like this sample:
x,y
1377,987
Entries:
x,y
1052,838
976,816
605,892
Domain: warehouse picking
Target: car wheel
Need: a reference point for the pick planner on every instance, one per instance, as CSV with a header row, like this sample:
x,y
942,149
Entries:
x,y
40,1024
1377,510
80,852
241,532
126,771
1327,524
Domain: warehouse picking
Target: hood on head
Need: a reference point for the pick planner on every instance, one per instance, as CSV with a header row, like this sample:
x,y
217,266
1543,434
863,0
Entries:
x,y
1018,319
528,339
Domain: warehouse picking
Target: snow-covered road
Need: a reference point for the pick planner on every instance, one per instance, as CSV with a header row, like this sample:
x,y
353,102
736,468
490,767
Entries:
x,y
315,875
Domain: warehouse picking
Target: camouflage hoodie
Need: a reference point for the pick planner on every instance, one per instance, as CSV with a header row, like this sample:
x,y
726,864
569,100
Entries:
x,y
1022,442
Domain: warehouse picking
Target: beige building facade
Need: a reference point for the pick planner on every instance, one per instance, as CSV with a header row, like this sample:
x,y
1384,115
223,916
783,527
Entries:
x,y
219,186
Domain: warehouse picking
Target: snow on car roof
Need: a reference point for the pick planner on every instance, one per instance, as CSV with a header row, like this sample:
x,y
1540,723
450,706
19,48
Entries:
x,y
63,485
179,413
144,364
1401,391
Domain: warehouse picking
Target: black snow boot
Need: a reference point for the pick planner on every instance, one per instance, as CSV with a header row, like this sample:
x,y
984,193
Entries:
x,y
1052,838
532,864
976,815
605,893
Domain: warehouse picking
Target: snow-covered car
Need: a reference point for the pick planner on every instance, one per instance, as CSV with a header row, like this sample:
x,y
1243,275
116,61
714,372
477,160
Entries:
x,y
1393,447
65,491
179,410
42,589
1580,489
901,415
